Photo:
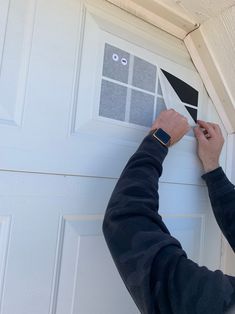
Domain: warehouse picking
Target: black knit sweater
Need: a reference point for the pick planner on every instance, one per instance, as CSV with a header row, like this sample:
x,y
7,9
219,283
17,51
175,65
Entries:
x,y
154,267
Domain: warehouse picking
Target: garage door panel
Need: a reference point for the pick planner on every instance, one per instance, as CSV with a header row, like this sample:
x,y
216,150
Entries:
x,y
5,228
4,11
86,272
15,56
190,231
182,199
77,194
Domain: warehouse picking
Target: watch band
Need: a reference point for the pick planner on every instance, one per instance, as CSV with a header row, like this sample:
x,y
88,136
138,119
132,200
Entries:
x,y
162,136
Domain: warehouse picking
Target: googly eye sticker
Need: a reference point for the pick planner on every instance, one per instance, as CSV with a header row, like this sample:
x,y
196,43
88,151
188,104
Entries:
x,y
115,57
124,61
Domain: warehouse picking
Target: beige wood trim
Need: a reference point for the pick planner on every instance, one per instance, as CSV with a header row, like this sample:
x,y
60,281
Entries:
x,y
215,85
159,15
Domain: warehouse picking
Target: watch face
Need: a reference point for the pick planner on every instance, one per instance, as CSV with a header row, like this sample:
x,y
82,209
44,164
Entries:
x,y
162,136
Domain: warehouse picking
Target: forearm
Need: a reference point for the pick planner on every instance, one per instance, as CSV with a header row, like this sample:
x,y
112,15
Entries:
x,y
137,189
222,196
133,229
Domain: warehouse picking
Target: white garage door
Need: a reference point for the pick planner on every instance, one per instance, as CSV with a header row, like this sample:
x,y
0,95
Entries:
x,y
80,85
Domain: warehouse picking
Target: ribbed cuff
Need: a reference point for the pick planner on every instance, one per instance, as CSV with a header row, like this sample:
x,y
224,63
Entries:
x,y
217,182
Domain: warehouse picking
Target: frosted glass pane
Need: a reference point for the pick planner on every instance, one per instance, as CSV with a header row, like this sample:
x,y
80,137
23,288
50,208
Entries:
x,y
116,64
161,106
142,106
144,75
113,101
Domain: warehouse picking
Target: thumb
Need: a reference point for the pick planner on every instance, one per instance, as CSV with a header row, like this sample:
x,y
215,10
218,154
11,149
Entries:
x,y
199,134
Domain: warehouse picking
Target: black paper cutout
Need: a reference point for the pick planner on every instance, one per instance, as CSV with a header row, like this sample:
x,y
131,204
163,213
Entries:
x,y
186,93
193,113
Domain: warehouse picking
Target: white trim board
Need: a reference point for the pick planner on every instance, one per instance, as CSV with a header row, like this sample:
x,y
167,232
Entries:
x,y
210,74
166,17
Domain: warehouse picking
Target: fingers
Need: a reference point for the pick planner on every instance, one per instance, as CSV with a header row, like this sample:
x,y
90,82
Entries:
x,y
213,130
199,134
210,129
217,128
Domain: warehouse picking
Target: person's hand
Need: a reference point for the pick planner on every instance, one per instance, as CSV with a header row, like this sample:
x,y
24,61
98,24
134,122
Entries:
x,y
173,124
210,144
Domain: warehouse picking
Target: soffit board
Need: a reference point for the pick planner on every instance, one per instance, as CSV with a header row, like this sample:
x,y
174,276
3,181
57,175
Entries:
x,y
177,17
172,21
199,10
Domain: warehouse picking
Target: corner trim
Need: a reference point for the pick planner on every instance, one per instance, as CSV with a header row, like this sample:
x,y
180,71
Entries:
x,y
212,78
159,15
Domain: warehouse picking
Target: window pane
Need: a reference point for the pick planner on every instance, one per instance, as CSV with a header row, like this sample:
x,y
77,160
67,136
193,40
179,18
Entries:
x,y
113,101
144,75
116,64
142,106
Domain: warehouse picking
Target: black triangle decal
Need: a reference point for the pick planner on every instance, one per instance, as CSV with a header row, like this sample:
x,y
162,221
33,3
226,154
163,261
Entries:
x,y
186,93
192,112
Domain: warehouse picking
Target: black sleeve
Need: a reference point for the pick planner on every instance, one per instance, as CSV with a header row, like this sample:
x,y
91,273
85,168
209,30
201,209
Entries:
x,y
222,196
151,262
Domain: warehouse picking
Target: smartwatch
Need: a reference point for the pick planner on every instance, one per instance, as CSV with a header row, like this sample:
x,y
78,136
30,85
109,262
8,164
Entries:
x,y
162,137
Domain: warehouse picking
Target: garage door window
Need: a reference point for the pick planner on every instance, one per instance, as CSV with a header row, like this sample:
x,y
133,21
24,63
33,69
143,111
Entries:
x,y
132,91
